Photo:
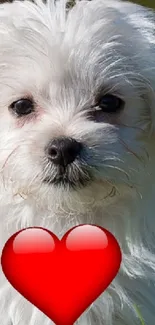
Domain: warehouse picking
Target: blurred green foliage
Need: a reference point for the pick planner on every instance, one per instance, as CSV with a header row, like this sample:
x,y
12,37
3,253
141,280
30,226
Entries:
x,y
147,3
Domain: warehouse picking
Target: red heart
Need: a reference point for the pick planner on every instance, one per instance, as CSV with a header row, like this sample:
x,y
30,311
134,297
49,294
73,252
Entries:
x,y
61,278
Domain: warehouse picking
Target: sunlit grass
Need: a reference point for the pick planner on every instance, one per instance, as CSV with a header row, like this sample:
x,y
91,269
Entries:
x,y
139,315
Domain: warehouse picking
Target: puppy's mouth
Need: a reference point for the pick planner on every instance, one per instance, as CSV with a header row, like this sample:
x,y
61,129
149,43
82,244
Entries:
x,y
69,176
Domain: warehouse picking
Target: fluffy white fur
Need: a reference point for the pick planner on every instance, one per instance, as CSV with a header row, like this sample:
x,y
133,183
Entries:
x,y
63,58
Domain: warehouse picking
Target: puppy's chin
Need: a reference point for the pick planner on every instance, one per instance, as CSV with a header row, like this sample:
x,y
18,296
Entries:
x,y
66,200
71,182
73,176
64,182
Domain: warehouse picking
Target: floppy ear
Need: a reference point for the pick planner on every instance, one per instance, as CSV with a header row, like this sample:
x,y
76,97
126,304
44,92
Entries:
x,y
144,21
149,74
147,29
152,109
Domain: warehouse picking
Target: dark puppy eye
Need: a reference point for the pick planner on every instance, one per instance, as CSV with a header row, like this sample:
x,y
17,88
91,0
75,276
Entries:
x,y
22,107
109,104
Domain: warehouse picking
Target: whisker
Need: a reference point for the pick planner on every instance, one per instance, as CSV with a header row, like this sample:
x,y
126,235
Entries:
x,y
119,169
12,152
131,151
112,193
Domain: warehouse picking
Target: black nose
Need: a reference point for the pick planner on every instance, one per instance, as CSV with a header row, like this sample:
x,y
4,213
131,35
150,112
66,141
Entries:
x,y
63,151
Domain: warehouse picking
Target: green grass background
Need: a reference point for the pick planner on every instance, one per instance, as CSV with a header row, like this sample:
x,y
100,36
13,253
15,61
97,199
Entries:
x,y
147,3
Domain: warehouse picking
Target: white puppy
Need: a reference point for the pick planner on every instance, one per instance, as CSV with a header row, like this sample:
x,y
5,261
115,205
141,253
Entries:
x,y
77,141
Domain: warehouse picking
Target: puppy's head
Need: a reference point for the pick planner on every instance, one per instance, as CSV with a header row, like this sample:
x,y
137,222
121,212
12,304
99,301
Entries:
x,y
77,95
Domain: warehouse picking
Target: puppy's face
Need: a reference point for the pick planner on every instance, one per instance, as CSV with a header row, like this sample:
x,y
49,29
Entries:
x,y
75,104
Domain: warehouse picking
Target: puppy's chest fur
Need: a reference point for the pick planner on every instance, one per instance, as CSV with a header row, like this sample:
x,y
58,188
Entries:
x,y
116,306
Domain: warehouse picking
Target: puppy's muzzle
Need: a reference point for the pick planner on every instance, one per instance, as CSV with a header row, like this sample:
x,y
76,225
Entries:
x,y
68,166
63,151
